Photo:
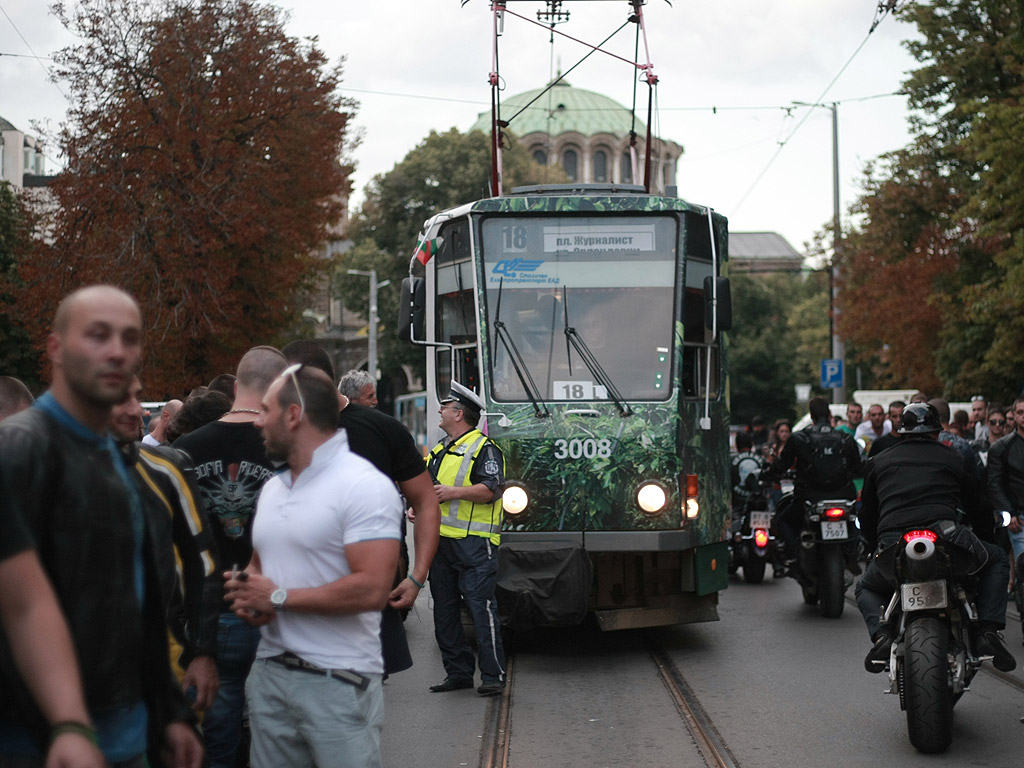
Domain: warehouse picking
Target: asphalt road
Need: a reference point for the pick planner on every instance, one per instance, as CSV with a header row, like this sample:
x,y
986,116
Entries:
x,y
781,685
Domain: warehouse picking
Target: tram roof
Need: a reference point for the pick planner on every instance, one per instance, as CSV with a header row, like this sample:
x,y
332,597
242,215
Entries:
x,y
582,198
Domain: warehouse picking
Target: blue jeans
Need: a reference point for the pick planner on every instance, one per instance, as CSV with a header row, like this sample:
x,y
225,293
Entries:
x,y
222,724
300,720
1017,542
467,568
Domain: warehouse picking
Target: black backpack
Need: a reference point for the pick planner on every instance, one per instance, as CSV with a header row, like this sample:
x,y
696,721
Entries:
x,y
828,469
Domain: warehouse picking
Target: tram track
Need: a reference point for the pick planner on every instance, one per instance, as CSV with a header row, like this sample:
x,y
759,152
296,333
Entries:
x,y
495,752
706,737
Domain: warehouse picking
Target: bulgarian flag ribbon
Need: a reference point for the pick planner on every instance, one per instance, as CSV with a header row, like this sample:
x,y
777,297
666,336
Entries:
x,y
424,250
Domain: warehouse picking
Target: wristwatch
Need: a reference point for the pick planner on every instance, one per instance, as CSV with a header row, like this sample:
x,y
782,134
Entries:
x,y
277,598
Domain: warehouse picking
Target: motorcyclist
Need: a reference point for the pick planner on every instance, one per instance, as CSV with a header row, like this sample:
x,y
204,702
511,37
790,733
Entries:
x,y
916,483
821,473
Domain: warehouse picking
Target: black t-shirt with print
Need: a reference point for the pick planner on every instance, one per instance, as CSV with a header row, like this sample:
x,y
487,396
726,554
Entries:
x,y
231,468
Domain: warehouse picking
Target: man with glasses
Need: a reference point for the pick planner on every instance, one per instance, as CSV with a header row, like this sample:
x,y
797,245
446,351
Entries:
x,y
997,427
469,477
325,549
979,413
231,467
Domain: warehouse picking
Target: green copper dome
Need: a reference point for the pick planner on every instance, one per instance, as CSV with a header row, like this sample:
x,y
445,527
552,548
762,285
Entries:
x,y
563,109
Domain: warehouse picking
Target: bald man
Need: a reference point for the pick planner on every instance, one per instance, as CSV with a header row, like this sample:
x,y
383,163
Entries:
x,y
67,486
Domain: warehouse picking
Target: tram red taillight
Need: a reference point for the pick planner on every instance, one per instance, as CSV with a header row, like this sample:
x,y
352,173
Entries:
x,y
690,484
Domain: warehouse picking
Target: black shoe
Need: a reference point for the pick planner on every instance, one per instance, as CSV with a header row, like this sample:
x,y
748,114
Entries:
x,y
491,689
991,644
878,657
451,684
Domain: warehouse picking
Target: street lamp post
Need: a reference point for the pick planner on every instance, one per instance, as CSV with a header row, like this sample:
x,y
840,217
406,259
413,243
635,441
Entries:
x,y
837,350
371,361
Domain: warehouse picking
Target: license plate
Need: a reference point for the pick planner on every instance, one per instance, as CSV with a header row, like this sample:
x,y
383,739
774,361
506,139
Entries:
x,y
923,595
833,531
760,520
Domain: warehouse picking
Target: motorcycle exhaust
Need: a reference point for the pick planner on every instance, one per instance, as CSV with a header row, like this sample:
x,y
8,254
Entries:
x,y
918,559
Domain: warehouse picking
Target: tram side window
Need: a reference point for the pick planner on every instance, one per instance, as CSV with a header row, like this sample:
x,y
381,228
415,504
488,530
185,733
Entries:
x,y
456,325
697,340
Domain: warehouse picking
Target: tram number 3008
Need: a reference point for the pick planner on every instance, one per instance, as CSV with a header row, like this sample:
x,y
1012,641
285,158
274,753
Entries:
x,y
583,449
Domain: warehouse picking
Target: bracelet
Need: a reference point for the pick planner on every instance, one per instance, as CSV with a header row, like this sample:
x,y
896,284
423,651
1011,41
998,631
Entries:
x,y
71,726
413,580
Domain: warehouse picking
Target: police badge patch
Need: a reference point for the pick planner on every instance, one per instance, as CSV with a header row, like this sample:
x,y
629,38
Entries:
x,y
491,467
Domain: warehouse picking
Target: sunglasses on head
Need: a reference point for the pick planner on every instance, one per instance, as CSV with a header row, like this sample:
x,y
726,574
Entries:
x,y
292,370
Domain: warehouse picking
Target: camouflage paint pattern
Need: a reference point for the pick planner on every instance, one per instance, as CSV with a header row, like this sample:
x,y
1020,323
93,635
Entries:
x,y
582,472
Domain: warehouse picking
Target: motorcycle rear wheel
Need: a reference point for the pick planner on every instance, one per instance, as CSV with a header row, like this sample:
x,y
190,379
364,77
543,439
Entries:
x,y
929,699
753,570
831,582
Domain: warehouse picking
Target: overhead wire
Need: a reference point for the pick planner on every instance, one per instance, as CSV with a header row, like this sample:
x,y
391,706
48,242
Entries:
x,y
807,114
39,59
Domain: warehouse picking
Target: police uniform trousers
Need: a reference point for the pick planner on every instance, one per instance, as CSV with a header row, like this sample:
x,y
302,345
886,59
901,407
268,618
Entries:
x,y
467,568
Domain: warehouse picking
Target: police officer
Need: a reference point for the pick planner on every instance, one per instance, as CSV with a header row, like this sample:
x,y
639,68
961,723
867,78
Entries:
x,y
468,470
918,482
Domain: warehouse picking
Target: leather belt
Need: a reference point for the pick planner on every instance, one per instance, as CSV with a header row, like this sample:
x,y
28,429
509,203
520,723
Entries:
x,y
292,661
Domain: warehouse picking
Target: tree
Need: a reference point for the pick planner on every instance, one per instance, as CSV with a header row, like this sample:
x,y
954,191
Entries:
x,y
16,227
929,271
204,166
761,347
443,171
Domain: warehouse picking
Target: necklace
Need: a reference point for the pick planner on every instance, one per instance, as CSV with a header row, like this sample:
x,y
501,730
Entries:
x,y
245,410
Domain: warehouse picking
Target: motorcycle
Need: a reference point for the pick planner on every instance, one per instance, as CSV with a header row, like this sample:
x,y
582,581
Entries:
x,y
752,542
829,537
932,661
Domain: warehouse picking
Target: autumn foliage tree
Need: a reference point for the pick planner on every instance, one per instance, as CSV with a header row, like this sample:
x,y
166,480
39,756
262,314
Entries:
x,y
204,152
932,269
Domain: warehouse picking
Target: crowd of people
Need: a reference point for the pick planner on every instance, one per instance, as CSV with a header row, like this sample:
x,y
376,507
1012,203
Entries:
x,y
242,559
913,462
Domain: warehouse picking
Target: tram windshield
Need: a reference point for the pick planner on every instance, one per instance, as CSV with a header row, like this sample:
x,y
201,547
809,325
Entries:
x,y
610,281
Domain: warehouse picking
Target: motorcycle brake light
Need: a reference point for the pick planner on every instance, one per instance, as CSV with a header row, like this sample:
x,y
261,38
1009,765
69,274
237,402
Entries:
x,y
911,535
761,537
834,512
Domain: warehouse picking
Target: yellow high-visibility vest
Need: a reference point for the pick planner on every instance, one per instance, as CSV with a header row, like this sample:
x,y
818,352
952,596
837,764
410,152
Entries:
x,y
461,518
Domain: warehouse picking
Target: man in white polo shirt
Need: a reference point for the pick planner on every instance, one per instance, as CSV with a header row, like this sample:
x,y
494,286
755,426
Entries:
x,y
325,550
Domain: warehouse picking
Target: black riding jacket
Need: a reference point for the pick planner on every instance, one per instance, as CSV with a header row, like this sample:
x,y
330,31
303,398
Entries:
x,y
917,482
1006,474
71,498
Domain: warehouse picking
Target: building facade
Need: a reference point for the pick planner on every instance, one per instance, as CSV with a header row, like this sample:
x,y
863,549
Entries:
x,y
588,135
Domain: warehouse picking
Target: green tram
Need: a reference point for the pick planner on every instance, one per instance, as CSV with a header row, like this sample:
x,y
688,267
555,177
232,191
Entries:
x,y
590,320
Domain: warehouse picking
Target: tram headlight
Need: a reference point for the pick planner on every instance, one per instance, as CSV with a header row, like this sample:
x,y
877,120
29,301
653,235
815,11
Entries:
x,y
514,499
652,498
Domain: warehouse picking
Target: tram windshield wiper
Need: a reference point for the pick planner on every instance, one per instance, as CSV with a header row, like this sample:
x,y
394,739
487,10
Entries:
x,y
573,338
516,358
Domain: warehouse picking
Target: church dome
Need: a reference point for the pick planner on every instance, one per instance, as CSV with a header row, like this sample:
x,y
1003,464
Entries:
x,y
561,110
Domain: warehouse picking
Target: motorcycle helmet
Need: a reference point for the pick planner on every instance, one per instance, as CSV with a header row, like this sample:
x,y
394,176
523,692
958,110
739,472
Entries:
x,y
918,419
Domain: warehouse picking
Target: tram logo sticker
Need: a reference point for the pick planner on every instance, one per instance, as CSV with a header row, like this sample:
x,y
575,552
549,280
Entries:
x,y
512,267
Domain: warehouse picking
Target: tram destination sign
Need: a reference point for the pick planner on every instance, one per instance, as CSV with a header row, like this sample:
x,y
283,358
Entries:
x,y
599,238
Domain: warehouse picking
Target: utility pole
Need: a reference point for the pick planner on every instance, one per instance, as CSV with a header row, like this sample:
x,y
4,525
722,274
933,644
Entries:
x,y
371,357
836,343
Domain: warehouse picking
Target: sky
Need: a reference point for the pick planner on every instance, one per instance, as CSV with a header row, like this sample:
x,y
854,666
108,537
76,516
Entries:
x,y
729,72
